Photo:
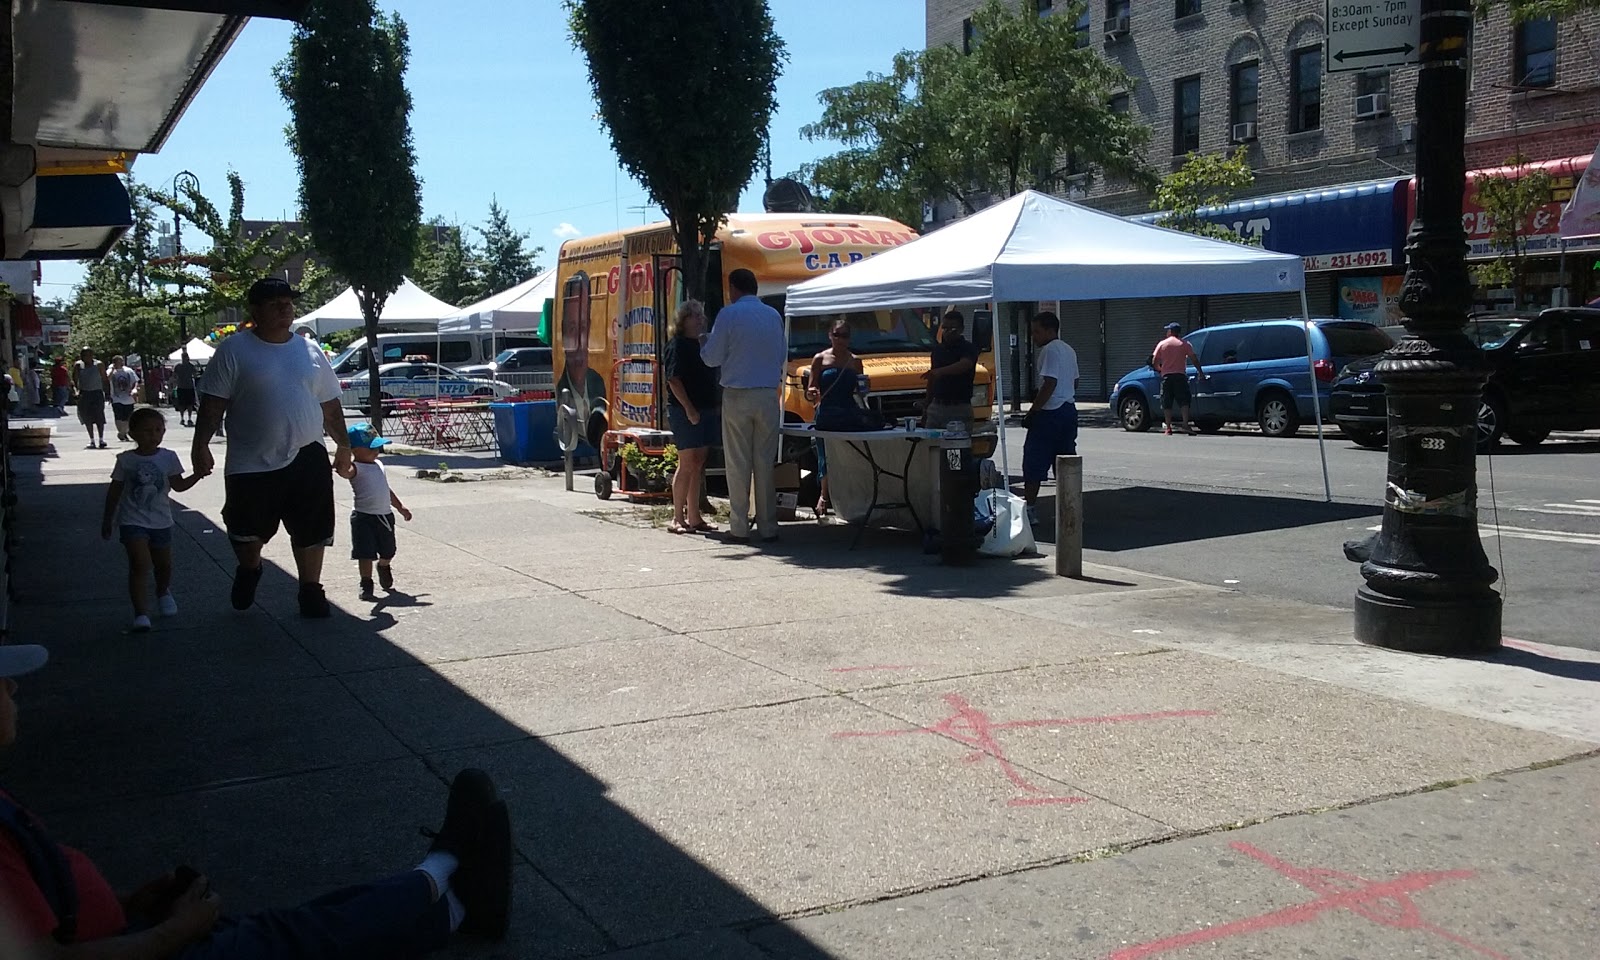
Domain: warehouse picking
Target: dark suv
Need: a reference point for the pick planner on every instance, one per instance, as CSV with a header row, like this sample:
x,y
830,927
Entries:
x,y
1544,375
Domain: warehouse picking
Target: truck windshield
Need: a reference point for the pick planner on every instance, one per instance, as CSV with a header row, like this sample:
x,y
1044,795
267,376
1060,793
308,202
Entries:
x,y
871,332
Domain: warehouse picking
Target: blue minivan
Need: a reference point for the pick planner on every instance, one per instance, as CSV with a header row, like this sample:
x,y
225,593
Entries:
x,y
1258,374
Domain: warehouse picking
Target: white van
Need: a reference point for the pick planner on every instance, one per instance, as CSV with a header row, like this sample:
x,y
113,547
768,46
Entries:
x,y
450,349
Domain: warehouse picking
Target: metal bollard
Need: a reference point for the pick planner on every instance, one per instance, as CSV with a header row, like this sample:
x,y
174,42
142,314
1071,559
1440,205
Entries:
x,y
958,488
1069,516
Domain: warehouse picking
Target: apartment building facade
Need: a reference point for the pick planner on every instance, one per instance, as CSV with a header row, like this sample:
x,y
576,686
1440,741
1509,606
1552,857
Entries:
x,y
1333,152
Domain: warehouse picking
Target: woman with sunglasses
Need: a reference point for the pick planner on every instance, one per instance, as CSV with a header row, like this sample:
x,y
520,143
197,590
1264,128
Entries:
x,y
836,377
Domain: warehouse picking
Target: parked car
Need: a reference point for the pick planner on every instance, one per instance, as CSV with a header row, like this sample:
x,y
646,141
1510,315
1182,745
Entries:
x,y
1544,375
412,380
526,368
454,350
1258,373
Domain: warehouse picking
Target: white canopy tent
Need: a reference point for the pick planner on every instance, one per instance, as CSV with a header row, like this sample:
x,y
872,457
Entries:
x,y
408,308
199,351
1036,247
519,308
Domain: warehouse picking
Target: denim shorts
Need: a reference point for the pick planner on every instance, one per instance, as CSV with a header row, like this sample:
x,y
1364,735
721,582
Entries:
x,y
694,436
159,538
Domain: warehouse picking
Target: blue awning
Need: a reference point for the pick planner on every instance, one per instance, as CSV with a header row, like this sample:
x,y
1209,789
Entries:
x,y
79,218
1357,226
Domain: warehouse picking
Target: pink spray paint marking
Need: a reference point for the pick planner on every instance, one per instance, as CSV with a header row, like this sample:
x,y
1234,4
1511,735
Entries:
x,y
973,728
1387,903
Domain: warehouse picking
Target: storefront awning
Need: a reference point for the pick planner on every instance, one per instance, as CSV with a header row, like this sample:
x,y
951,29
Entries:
x,y
1356,226
1542,231
77,218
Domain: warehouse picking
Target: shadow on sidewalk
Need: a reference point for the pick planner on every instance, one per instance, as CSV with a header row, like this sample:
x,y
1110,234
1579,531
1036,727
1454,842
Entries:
x,y
1130,518
243,744
1550,666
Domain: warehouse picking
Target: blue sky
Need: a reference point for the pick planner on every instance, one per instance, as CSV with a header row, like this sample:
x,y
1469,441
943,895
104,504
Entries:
x,y
502,109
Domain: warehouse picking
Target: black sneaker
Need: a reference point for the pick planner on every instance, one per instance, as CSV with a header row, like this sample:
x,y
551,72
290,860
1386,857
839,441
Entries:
x,y
313,602
367,593
471,793
483,884
386,578
244,587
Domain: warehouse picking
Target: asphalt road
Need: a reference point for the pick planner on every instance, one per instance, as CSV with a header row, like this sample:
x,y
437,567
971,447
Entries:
x,y
1247,511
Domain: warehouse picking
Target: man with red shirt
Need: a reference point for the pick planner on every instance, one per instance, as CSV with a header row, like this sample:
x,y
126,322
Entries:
x,y
1171,361
58,900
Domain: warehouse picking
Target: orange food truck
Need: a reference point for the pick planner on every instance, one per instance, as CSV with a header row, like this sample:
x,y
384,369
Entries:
x,y
616,293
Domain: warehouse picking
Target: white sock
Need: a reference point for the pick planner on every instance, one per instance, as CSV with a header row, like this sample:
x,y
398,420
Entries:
x,y
458,912
440,867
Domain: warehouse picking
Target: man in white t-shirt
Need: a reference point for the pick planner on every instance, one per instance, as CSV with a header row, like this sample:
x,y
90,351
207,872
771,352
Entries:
x,y
1053,422
281,396
124,384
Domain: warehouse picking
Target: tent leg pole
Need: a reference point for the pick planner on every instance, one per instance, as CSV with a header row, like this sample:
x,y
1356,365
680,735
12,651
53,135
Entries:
x,y
1316,397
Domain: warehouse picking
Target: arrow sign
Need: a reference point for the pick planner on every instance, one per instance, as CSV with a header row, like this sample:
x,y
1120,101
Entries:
x,y
1363,34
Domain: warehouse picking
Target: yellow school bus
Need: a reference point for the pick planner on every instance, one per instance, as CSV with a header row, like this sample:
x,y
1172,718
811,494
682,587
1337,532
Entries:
x,y
616,293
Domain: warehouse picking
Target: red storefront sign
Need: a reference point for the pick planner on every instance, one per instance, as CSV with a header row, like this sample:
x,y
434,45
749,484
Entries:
x,y
1543,227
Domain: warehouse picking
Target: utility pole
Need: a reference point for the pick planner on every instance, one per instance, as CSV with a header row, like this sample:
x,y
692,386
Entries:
x,y
1428,582
184,181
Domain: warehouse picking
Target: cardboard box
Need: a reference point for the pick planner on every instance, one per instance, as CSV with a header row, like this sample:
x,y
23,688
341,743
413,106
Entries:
x,y
788,502
786,476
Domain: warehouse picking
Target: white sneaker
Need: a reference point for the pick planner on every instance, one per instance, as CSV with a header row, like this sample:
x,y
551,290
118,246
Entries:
x,y
169,606
141,624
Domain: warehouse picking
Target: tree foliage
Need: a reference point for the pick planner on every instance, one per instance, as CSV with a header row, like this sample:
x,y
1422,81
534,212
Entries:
x,y
113,310
1533,9
505,261
344,82
446,264
1027,108
1204,180
217,279
686,91
1511,200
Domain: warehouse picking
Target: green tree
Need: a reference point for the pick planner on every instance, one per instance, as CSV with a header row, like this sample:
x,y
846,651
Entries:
x,y
217,280
1511,200
113,310
1204,180
1028,108
686,91
344,82
447,263
504,261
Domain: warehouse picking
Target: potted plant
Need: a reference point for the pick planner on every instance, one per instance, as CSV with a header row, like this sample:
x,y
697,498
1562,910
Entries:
x,y
653,472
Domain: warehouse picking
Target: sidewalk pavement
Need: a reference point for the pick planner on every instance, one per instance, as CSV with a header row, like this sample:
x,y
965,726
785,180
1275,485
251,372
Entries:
x,y
803,751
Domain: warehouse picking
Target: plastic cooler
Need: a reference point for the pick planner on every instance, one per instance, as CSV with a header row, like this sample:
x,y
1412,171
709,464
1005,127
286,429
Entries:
x,y
526,433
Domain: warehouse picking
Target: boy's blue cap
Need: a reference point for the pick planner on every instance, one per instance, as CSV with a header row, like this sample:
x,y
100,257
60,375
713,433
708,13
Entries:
x,y
362,436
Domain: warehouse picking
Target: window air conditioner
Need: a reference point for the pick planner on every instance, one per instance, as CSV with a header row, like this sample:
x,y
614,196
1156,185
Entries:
x,y
1372,105
1244,132
1116,27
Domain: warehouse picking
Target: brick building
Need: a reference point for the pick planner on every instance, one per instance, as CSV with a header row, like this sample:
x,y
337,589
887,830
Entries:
x,y
1333,153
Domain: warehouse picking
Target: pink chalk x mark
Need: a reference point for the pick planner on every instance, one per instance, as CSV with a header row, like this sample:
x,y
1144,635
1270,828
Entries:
x,y
889,666
973,728
1387,903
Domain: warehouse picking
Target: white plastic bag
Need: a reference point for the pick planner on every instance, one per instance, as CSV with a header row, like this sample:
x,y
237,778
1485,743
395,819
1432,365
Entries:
x,y
1011,534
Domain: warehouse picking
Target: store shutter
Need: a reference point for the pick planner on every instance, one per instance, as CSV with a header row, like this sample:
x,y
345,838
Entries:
x,y
1234,307
1134,327
1080,328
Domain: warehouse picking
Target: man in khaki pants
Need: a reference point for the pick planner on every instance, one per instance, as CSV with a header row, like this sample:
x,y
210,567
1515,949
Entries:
x,y
746,344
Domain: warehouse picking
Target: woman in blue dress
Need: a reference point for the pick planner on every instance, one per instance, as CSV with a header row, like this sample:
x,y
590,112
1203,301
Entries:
x,y
836,377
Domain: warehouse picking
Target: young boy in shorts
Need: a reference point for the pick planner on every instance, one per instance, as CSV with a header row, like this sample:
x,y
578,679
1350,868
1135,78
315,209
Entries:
x,y
138,500
372,522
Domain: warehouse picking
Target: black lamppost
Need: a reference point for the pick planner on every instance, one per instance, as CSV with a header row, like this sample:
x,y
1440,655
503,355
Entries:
x,y
1428,586
183,182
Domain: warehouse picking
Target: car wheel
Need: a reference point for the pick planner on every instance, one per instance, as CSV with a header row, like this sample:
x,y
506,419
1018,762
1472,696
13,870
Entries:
x,y
1210,426
1372,439
1528,438
1491,422
602,486
483,392
1276,413
1134,413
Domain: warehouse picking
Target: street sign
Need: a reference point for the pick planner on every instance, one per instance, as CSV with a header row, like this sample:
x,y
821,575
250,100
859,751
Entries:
x,y
1364,35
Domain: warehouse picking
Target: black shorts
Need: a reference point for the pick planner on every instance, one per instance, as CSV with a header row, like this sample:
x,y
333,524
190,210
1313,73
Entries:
x,y
371,536
299,496
183,398
121,412
1175,391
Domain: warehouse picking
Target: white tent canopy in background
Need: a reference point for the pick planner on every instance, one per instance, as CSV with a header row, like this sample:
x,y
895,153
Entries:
x,y
199,352
408,308
1036,247
519,308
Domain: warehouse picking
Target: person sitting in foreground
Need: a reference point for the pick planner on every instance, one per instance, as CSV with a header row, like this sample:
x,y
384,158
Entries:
x,y
57,899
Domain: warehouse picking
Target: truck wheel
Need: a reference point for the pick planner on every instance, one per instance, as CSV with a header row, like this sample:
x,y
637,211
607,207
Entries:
x,y
1276,413
1372,439
1528,438
1491,422
1134,413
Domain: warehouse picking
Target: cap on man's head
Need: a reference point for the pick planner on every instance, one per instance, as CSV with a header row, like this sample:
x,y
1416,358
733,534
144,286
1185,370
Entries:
x,y
18,659
271,288
363,437
1175,328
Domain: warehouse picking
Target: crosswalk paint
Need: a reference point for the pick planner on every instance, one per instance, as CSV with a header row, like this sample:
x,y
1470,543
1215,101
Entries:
x,y
1527,533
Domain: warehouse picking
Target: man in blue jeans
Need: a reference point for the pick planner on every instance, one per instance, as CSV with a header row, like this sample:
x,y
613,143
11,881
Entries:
x,y
1053,420
57,900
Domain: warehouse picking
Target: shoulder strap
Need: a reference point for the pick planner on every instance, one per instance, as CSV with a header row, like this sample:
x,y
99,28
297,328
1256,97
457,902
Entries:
x,y
47,863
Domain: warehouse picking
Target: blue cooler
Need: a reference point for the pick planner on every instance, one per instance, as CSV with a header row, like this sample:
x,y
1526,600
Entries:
x,y
526,433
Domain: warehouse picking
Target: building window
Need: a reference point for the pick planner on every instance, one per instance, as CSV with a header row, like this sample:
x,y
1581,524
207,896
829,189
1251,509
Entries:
x,y
1535,53
1045,7
1186,116
968,35
1081,28
1372,95
1117,8
1244,94
1186,8
1118,103
1305,104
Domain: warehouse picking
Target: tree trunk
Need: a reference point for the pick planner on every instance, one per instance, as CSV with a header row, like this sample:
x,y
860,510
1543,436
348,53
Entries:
x,y
370,309
694,263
